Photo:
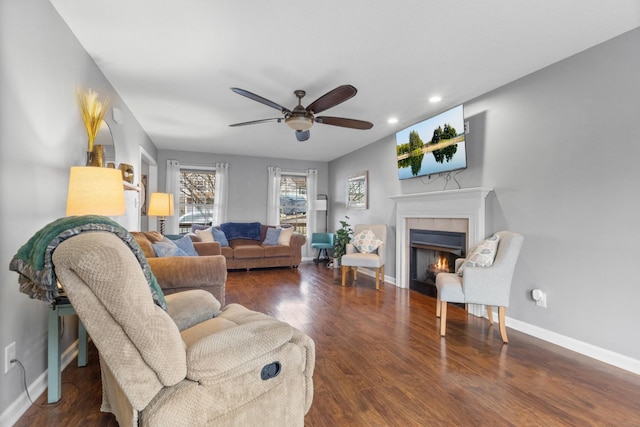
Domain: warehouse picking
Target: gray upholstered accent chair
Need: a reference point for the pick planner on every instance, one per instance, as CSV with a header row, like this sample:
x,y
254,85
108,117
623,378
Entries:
x,y
193,365
354,259
490,286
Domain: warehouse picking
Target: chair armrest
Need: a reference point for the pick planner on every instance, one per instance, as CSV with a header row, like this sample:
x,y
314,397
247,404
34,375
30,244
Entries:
x,y
231,348
175,274
188,308
297,239
382,253
458,263
207,248
486,285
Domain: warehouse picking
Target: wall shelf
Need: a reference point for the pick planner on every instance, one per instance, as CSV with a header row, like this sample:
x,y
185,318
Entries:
x,y
130,187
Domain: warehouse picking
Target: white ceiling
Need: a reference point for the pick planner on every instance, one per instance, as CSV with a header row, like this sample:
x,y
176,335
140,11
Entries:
x,y
173,62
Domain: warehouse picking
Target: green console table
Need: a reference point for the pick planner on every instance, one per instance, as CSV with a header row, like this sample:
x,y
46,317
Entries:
x,y
61,307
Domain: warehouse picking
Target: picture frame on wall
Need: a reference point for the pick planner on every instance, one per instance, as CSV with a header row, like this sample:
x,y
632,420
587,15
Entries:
x,y
358,191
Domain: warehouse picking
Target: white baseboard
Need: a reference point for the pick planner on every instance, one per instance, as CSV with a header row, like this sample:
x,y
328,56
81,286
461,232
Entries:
x,y
19,406
615,359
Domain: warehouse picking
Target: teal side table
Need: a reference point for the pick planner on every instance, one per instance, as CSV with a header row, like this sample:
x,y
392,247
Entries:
x,y
61,307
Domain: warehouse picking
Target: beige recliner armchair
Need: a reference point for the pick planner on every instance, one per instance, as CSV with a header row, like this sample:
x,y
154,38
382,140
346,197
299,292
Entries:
x,y
193,365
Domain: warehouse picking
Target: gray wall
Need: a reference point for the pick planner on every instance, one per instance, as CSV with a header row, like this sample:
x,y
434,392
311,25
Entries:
x,y
247,179
561,149
41,137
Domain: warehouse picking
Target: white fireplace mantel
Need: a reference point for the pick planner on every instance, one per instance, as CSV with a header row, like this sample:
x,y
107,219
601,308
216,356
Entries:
x,y
468,203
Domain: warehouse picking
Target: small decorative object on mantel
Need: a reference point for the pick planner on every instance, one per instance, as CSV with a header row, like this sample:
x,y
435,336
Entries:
x,y
92,111
127,172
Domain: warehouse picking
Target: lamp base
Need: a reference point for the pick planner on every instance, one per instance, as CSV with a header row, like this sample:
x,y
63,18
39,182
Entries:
x,y
161,220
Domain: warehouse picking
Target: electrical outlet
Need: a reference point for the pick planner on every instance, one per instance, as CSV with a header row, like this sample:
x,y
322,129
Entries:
x,y
9,354
539,297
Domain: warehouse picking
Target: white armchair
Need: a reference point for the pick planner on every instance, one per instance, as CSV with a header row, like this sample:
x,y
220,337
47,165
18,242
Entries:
x,y
354,258
482,285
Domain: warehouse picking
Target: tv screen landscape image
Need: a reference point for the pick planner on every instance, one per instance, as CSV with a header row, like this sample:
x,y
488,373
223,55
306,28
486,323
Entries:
x,y
432,146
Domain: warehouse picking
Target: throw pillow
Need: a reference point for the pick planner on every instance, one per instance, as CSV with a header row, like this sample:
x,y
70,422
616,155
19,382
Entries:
x,y
272,236
205,235
167,248
195,227
186,244
219,236
366,242
285,236
482,255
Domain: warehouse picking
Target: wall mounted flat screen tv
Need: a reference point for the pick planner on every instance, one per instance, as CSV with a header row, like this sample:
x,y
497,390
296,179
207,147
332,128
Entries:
x,y
432,146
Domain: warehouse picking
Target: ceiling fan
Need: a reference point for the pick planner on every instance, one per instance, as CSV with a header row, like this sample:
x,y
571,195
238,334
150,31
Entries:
x,y
300,119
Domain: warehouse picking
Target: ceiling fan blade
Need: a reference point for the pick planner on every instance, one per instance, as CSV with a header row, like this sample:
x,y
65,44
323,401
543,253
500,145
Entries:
x,y
253,122
302,135
332,98
260,99
345,123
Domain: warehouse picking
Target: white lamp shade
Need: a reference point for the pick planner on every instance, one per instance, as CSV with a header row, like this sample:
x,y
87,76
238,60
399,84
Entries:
x,y
161,204
95,191
320,205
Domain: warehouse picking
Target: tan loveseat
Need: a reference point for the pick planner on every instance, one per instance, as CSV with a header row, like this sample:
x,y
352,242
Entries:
x,y
193,365
248,253
207,271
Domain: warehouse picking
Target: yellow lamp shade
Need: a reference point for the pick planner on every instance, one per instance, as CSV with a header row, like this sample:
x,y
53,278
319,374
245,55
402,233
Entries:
x,y
95,191
161,204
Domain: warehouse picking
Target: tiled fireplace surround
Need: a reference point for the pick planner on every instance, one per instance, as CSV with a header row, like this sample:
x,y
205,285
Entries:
x,y
460,210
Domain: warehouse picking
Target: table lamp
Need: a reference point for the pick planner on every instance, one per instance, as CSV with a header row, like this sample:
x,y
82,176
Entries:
x,y
161,205
95,191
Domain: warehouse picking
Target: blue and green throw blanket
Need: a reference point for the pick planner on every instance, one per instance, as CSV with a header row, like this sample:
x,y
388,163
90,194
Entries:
x,y
34,264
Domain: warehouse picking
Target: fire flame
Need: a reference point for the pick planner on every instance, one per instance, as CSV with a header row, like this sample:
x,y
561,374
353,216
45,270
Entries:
x,y
442,264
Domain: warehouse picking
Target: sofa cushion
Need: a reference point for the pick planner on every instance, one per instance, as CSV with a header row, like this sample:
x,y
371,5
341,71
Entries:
x,y
285,236
205,235
186,244
219,236
242,230
227,251
167,248
144,244
272,236
276,251
248,251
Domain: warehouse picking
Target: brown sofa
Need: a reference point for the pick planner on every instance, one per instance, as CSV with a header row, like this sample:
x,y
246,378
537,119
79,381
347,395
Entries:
x,y
207,271
248,254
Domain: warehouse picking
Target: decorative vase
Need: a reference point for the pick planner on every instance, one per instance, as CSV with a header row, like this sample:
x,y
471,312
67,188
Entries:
x,y
98,156
89,158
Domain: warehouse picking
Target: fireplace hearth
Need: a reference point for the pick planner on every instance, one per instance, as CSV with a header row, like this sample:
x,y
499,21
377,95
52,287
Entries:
x,y
432,252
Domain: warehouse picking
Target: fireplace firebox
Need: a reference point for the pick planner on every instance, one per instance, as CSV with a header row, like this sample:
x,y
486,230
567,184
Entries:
x,y
432,252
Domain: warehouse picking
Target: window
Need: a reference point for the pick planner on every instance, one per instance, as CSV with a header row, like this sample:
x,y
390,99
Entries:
x,y
293,201
197,193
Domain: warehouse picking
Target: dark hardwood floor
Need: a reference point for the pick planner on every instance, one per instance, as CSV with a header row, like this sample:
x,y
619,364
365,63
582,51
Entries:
x,y
381,362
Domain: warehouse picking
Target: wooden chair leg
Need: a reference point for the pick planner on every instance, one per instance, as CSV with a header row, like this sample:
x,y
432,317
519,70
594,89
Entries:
x,y
490,314
355,274
503,328
438,306
377,278
443,318
344,274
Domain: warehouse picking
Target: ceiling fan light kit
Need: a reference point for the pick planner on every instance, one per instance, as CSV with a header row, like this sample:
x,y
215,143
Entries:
x,y
299,122
301,119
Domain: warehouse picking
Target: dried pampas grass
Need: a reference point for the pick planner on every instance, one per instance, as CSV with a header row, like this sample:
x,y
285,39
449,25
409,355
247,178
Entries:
x,y
92,111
